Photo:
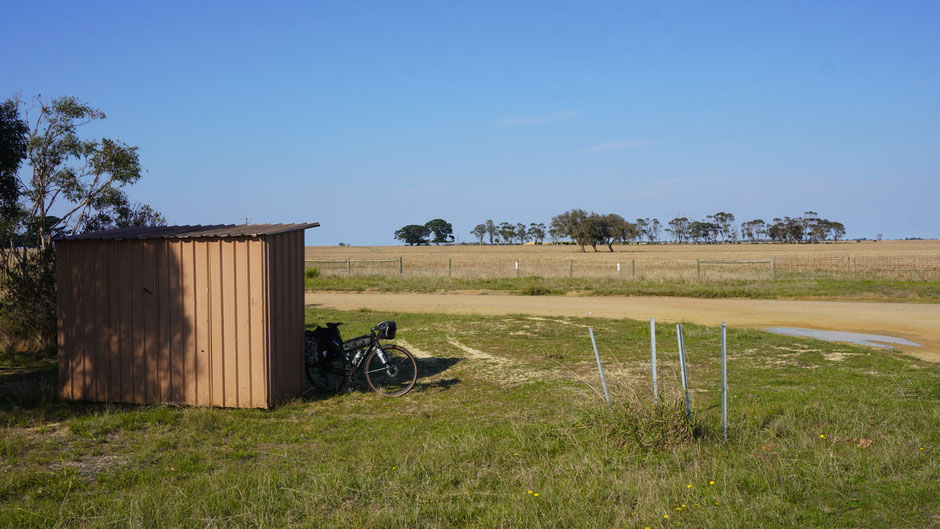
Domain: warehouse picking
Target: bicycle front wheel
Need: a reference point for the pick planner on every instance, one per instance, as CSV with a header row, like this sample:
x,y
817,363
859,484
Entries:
x,y
395,378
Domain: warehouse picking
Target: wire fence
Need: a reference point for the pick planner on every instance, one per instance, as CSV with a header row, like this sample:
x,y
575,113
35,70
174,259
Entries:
x,y
839,266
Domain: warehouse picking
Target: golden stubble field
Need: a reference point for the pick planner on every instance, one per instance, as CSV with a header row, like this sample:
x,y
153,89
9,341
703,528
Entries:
x,y
906,260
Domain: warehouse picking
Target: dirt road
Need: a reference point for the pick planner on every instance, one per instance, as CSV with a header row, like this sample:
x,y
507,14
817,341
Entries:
x,y
919,323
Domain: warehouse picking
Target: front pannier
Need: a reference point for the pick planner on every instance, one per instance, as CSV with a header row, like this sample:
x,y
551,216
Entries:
x,y
386,330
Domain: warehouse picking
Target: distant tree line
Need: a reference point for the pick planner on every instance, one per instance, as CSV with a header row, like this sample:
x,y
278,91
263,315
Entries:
x,y
509,233
594,229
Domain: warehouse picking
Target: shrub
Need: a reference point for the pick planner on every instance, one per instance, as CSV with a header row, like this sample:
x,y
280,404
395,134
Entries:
x,y
636,422
312,272
28,311
536,290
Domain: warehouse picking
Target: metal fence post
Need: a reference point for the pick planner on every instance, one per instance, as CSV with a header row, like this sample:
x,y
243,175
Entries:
x,y
698,269
517,268
633,263
653,355
599,368
685,381
401,269
773,268
450,268
348,267
724,382
570,267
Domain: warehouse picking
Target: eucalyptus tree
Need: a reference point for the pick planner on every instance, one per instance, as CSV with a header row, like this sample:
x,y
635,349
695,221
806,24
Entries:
x,y
753,229
491,229
650,228
573,224
82,178
479,231
536,232
724,222
507,232
679,228
521,233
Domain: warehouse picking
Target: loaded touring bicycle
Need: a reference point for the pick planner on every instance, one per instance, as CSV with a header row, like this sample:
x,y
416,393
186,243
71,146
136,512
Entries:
x,y
332,364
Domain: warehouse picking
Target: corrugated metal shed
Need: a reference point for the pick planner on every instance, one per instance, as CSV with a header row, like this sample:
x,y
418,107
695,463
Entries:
x,y
202,315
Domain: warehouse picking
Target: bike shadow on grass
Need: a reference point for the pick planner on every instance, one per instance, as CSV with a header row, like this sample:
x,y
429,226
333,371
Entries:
x,y
428,367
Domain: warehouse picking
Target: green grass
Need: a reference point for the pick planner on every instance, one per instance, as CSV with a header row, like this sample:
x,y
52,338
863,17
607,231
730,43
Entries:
x,y
508,405
907,291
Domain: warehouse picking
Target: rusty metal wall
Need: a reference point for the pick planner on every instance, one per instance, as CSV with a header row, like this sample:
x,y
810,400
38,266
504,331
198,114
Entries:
x,y
208,322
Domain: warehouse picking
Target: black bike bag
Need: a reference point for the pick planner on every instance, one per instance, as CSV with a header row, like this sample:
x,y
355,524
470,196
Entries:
x,y
386,330
359,342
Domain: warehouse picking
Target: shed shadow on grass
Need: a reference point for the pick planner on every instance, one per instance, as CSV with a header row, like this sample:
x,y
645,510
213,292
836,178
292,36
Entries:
x,y
428,367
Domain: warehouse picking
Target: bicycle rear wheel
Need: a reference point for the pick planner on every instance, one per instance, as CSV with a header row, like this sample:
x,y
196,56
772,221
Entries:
x,y
395,378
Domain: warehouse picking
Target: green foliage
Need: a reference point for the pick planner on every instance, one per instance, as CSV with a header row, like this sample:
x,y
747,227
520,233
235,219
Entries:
x,y
312,272
28,317
536,290
442,231
631,422
413,234
83,178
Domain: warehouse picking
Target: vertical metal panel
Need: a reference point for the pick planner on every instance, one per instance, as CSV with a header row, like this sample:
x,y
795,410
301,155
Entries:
x,y
269,319
256,279
124,253
85,318
177,308
216,352
136,289
161,267
297,311
110,251
192,320
243,323
100,367
229,334
149,324
203,325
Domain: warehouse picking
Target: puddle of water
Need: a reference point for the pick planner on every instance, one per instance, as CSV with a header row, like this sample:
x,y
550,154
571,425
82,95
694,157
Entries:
x,y
841,336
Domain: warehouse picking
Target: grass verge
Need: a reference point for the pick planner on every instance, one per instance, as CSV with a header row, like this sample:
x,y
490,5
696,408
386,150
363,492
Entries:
x,y
907,291
507,427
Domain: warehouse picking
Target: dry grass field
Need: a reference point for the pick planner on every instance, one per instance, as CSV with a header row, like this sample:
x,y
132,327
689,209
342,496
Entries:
x,y
892,260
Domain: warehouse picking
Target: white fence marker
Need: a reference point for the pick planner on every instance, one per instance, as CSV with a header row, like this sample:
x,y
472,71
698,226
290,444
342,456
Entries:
x,y
653,355
724,382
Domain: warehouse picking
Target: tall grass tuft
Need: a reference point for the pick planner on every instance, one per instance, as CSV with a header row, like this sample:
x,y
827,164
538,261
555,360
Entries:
x,y
635,422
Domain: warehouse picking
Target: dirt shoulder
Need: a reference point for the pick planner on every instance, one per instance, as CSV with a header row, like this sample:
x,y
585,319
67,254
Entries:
x,y
919,323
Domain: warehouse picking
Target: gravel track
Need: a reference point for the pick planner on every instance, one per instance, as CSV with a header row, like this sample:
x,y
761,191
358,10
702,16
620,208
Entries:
x,y
919,323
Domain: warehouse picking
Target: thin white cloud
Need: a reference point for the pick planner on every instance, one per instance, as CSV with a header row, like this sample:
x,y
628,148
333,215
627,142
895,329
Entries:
x,y
621,145
516,121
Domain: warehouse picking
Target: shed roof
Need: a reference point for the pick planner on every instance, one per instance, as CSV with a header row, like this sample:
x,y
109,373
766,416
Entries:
x,y
188,232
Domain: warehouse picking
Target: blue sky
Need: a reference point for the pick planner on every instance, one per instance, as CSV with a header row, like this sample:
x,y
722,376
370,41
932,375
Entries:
x,y
369,116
